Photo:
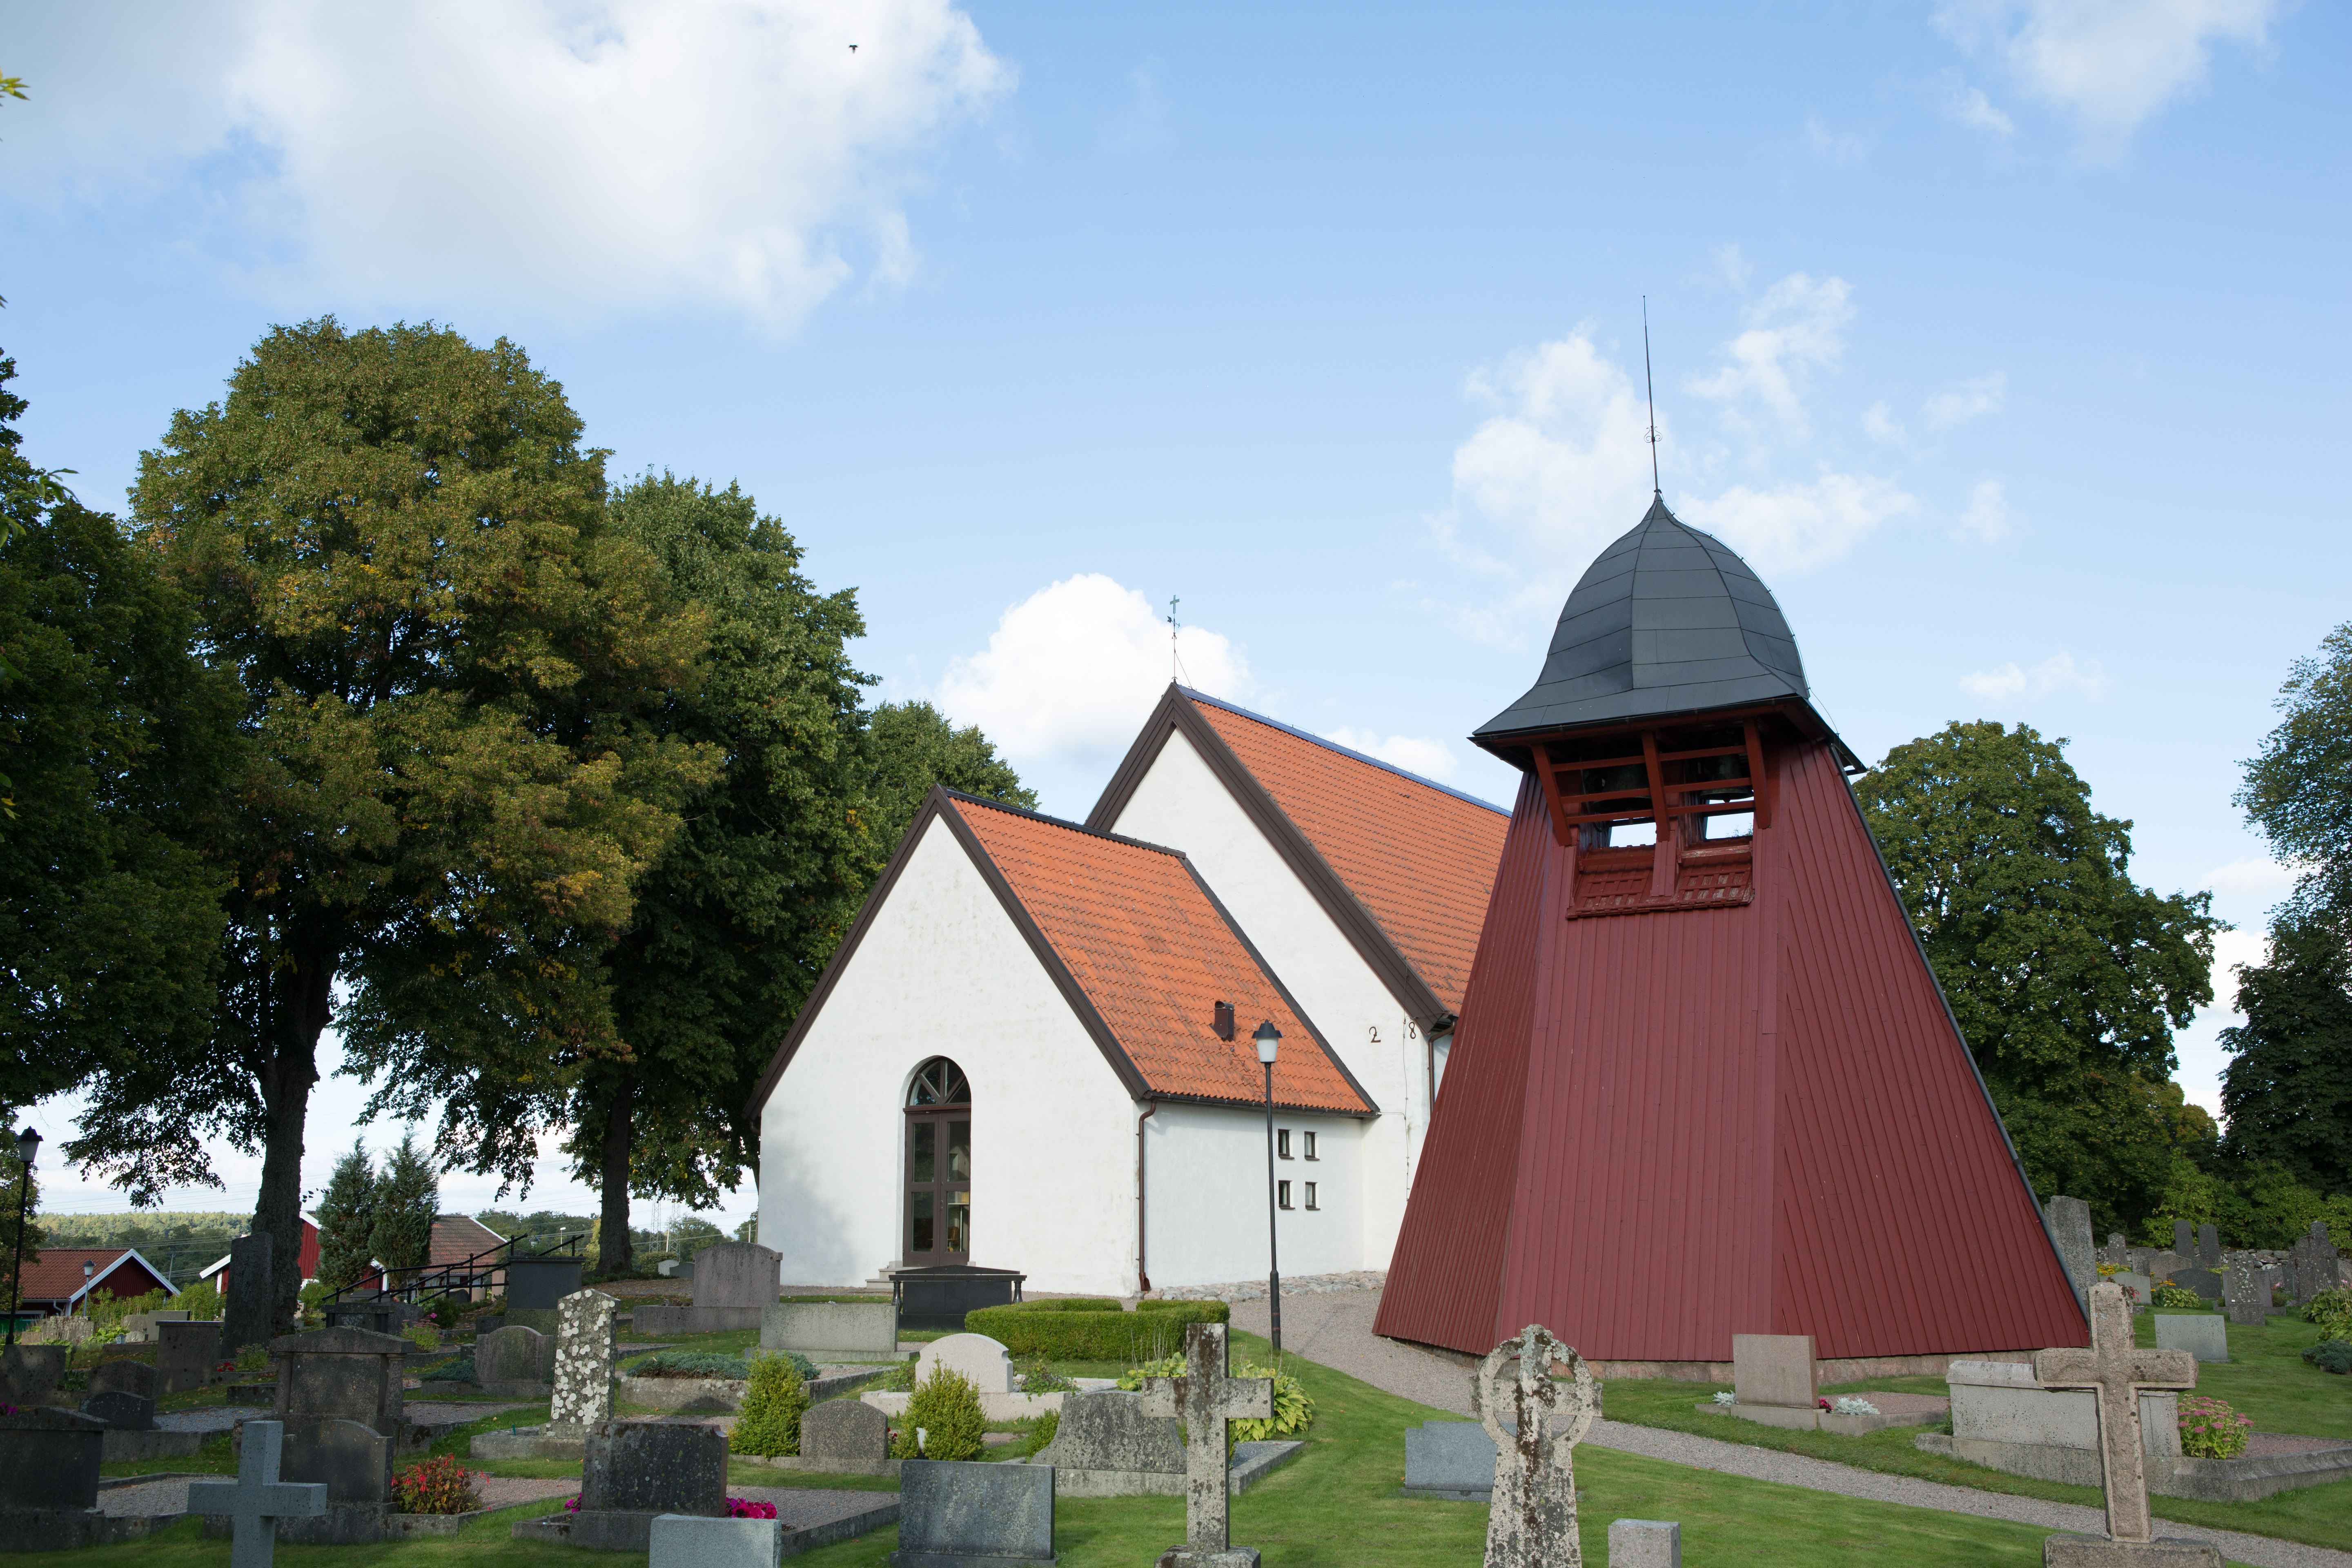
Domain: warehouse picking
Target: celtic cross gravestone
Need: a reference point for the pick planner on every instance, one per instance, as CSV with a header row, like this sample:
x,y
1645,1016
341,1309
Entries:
x,y
1536,1420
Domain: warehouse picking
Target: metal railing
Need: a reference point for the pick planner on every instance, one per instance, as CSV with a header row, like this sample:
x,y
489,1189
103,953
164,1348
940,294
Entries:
x,y
473,1273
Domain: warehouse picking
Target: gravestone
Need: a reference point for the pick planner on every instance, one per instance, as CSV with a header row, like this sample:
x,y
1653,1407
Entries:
x,y
1202,1401
583,1366
2313,1264
1107,1447
353,1462
139,1328
2137,1287
851,1436
1536,1422
514,1361
2070,1230
1645,1543
977,1356
124,1375
637,1470
954,1514
831,1331
1451,1461
29,1374
2003,1418
257,1500
2184,1238
1774,1369
736,1274
121,1410
342,1374
2201,1334
2245,1298
540,1284
185,1354
2165,1264
2209,1248
48,1461
2205,1282
2117,1251
246,1316
688,1541
2118,1373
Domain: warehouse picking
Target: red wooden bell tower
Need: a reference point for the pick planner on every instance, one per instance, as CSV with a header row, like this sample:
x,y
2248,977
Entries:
x,y
1704,1082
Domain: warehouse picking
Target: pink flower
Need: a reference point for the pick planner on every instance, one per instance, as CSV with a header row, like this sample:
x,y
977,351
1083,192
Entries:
x,y
744,1508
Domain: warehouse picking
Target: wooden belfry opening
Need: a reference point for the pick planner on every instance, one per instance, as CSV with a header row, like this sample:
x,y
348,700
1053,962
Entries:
x,y
938,1165
1679,781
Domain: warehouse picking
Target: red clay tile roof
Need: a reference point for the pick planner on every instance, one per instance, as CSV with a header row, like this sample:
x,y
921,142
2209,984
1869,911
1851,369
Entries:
x,y
1418,856
1155,954
56,1276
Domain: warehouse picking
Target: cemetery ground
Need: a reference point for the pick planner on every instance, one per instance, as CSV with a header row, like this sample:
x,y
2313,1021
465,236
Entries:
x,y
1337,1504
2266,1378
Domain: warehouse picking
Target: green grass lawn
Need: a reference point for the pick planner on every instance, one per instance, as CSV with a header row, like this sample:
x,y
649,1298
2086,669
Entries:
x,y
2265,1379
1337,1504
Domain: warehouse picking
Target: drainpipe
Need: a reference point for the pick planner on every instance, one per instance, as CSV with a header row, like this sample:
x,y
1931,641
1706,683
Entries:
x,y
1142,1279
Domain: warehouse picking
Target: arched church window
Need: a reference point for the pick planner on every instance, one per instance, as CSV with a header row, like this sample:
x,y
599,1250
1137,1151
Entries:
x,y
938,1165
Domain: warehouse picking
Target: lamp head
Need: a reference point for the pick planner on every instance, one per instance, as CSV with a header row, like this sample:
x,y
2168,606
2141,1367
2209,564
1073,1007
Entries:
x,y
87,1268
1267,1038
29,1144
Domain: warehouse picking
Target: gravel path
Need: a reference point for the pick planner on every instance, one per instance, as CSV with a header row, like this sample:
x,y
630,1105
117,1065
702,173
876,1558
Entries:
x,y
1335,1330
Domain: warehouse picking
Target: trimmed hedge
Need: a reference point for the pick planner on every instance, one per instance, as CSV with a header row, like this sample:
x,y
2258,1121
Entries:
x,y
1089,1330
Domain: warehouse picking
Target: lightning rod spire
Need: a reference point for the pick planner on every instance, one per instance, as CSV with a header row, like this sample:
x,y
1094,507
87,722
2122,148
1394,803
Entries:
x,y
1650,385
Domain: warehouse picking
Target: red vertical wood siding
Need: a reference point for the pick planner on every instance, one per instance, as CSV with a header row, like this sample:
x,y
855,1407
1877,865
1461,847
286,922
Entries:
x,y
1752,1119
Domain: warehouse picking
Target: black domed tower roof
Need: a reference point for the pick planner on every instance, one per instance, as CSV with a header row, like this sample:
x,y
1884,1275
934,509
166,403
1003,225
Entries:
x,y
1668,620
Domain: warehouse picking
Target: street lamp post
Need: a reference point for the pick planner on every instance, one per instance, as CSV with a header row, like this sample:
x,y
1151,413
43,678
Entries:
x,y
29,1144
1268,1038
87,1268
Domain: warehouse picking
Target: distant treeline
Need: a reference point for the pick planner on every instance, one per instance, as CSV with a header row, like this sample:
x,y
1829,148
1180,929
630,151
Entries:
x,y
181,1243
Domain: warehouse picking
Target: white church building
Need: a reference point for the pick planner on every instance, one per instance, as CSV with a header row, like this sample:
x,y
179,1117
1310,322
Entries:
x,y
1033,1049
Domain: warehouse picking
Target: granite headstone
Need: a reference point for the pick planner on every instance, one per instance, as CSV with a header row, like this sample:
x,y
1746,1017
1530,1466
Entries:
x,y
1105,1445
252,1294
185,1354
29,1374
121,1410
1774,1369
960,1515
850,1436
1451,1461
2068,1220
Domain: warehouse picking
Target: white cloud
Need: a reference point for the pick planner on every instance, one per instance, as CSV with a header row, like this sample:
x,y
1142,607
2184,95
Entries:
x,y
2110,63
1880,425
1734,267
1796,328
1568,460
1414,753
2059,672
1795,527
1967,106
2254,878
1966,400
1142,123
1839,150
1987,518
1072,671
600,155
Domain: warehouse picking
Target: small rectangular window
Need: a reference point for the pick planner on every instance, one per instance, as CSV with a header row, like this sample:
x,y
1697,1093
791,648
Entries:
x,y
1282,1143
1310,1154
1282,1195
1310,1194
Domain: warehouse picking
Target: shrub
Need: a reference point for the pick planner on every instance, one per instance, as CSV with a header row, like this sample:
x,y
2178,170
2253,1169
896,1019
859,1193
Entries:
x,y
252,1358
943,1421
1293,1409
772,1407
200,1302
1091,1330
901,1379
2209,1429
458,1369
2168,1294
1038,1376
2332,1310
1036,1433
2331,1355
434,1486
424,1336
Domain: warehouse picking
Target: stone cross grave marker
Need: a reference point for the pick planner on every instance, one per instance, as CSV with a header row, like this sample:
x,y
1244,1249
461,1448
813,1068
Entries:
x,y
1203,1401
257,1499
1536,1422
584,1348
2117,1373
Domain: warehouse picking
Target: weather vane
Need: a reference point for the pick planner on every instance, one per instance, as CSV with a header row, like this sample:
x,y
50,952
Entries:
x,y
1651,386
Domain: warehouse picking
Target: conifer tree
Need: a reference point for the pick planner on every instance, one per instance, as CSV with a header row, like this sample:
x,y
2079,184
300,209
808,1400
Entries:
x,y
407,1200
346,1214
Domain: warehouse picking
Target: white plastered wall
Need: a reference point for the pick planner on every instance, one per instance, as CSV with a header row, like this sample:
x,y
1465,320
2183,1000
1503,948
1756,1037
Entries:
x,y
1180,803
942,970
1204,1169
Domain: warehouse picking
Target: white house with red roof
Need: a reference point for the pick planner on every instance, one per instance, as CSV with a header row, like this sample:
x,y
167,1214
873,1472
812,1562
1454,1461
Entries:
x,y
1033,1049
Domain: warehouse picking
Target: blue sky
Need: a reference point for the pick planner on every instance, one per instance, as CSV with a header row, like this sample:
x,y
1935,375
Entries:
x,y
2003,339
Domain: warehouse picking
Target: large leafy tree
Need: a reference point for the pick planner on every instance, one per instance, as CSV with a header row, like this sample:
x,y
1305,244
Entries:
x,y
2287,1091
2067,978
2298,788
115,738
448,663
909,747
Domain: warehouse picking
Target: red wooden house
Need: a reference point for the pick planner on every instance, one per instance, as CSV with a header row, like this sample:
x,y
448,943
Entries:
x,y
62,1279
1704,1081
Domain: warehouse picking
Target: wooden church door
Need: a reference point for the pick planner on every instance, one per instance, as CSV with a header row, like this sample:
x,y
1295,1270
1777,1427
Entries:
x,y
939,1166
